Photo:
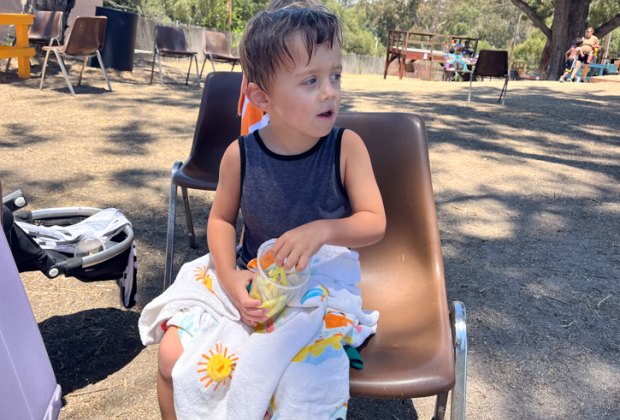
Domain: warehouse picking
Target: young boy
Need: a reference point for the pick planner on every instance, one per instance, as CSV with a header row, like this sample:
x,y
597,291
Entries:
x,y
252,118
570,56
299,179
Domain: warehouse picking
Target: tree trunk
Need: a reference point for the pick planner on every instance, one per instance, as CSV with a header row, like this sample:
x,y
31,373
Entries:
x,y
569,21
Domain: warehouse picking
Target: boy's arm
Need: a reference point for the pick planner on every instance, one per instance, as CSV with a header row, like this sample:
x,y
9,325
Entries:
x,y
222,237
365,226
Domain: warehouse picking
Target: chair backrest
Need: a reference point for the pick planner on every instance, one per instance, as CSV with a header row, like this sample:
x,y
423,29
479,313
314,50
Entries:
x,y
402,276
215,43
27,384
46,26
170,39
218,124
492,63
87,35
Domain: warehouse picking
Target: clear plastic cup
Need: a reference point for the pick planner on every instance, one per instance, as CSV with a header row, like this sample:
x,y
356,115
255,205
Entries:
x,y
275,286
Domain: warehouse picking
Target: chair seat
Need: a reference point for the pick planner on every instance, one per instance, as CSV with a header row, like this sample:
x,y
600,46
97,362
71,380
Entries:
x,y
387,374
225,57
192,176
177,52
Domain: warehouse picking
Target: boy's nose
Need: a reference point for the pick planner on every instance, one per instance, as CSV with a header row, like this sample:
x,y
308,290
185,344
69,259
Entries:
x,y
328,91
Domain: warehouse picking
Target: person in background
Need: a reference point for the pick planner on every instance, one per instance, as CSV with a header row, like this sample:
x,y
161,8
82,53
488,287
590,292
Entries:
x,y
589,48
570,56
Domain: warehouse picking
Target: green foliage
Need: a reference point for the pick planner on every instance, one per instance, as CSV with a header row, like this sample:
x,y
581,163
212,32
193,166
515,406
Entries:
x,y
531,49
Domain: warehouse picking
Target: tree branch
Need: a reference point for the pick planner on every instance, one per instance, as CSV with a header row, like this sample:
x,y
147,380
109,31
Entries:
x,y
538,22
608,26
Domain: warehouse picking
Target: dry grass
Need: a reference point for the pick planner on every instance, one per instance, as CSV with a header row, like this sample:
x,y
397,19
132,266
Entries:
x,y
527,195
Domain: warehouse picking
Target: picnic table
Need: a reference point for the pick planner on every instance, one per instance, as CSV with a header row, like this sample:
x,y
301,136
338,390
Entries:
x,y
426,49
21,49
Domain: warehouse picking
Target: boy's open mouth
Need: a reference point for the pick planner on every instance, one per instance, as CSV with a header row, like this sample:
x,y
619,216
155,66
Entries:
x,y
326,114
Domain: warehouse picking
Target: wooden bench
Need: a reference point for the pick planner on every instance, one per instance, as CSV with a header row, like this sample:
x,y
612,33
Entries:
x,y
21,50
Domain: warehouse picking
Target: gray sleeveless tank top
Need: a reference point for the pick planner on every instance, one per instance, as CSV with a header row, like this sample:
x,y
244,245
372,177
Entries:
x,y
281,192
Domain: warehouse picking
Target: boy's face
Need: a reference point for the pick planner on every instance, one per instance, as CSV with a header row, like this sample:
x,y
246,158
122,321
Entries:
x,y
305,96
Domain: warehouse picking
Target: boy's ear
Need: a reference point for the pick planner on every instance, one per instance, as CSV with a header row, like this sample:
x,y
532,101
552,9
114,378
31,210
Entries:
x,y
258,97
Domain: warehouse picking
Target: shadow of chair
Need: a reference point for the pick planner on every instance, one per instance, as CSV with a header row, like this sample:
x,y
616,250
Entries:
x,y
28,385
171,42
492,64
46,28
420,347
218,125
85,40
217,48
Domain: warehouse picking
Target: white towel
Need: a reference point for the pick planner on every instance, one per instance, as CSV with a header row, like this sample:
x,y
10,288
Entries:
x,y
298,369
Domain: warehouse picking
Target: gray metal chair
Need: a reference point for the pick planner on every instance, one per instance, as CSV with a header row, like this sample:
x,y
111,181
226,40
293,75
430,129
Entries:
x,y
217,126
171,42
217,48
492,64
85,40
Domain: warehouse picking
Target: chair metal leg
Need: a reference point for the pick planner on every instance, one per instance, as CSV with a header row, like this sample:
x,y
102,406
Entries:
x,y
471,80
152,67
47,56
82,71
161,73
458,318
212,62
203,66
197,74
188,218
169,262
189,69
502,96
64,72
105,73
440,406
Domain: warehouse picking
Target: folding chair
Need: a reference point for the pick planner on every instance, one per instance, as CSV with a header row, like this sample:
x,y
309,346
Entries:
x,y
218,125
492,64
85,40
46,28
217,48
420,348
171,42
27,385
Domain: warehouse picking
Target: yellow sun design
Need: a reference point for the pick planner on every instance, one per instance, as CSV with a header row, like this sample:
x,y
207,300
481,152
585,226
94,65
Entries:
x,y
217,366
201,274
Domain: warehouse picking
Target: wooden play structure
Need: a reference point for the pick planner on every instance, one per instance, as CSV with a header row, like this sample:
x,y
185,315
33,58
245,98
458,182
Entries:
x,y
423,53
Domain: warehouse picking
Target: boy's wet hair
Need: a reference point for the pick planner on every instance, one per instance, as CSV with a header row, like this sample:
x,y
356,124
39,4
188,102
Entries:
x,y
264,47
279,4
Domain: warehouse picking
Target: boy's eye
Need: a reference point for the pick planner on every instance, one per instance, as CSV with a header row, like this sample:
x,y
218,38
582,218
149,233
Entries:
x,y
336,76
310,81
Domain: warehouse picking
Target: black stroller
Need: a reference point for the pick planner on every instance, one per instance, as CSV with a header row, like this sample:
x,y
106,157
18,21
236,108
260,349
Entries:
x,y
83,242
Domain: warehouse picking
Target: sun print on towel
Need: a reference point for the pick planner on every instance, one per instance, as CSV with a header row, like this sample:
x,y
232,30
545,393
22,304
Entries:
x,y
201,274
217,366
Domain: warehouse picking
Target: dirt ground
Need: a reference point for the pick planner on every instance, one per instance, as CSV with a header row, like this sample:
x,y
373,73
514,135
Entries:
x,y
528,202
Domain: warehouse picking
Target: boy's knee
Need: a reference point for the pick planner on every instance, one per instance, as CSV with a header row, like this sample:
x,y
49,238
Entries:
x,y
170,349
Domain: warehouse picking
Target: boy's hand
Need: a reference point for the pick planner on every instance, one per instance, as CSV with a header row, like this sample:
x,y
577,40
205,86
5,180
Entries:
x,y
237,282
295,247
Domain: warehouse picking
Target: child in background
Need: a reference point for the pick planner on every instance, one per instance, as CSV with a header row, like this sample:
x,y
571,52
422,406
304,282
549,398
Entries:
x,y
589,48
299,179
570,56
252,118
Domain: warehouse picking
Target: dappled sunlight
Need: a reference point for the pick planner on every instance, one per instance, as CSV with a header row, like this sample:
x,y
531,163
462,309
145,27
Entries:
x,y
491,219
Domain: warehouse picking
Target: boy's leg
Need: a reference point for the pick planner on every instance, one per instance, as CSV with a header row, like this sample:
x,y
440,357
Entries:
x,y
170,349
576,69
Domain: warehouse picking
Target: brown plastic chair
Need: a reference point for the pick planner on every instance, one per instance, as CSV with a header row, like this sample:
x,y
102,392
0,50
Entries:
x,y
45,29
420,348
217,48
492,64
85,40
218,125
171,42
